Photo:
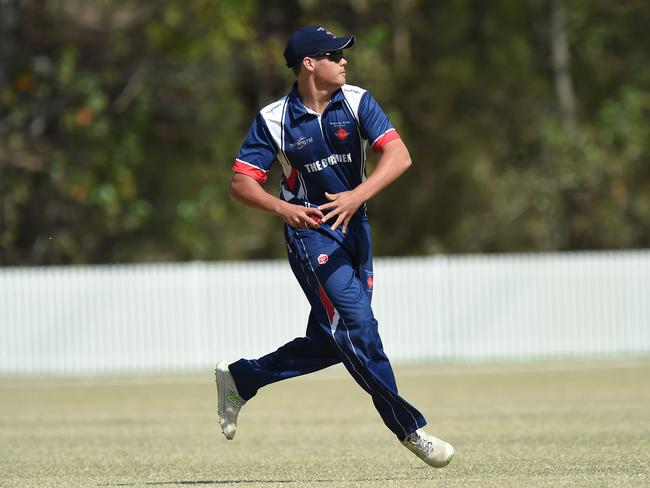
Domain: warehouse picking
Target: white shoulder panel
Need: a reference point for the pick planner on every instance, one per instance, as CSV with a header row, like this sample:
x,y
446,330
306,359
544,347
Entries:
x,y
353,96
273,116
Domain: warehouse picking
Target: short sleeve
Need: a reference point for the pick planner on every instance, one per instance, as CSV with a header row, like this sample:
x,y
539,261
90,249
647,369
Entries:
x,y
257,152
375,125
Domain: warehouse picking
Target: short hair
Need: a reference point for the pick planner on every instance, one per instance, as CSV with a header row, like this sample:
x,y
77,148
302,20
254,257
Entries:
x,y
296,68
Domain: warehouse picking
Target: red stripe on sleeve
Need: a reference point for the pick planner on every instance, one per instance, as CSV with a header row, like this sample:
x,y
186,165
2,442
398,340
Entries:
x,y
250,170
385,138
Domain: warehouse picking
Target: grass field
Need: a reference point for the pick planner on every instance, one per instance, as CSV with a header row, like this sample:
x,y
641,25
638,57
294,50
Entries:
x,y
542,424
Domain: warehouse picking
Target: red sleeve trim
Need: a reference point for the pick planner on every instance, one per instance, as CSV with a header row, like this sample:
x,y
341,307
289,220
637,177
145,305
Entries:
x,y
385,138
250,170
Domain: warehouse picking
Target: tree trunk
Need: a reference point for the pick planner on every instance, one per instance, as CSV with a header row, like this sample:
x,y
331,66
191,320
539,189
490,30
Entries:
x,y
561,69
401,34
8,23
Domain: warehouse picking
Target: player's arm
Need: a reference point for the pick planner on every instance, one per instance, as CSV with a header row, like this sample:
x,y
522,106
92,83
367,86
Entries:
x,y
250,192
393,161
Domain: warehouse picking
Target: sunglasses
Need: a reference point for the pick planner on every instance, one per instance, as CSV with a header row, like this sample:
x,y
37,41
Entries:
x,y
335,56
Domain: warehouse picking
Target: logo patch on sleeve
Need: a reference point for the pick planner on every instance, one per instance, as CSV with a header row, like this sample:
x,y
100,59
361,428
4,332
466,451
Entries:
x,y
323,258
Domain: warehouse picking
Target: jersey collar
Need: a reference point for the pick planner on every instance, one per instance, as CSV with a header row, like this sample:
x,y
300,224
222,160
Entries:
x,y
298,109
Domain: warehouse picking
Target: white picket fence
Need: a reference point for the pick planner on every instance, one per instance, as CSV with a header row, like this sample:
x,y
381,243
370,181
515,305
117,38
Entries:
x,y
180,317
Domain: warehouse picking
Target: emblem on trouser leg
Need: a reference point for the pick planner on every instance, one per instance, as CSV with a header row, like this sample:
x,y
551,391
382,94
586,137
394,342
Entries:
x,y
370,281
323,258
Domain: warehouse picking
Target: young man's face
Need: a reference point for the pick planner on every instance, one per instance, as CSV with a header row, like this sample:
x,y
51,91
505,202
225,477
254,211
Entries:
x,y
329,68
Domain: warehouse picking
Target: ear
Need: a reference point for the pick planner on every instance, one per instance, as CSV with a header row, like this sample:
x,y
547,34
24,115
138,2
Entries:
x,y
309,64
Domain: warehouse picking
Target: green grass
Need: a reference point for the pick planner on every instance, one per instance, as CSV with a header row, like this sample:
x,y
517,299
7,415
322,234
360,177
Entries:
x,y
543,424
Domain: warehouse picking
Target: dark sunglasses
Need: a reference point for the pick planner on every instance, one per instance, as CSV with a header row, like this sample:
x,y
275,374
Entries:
x,y
335,56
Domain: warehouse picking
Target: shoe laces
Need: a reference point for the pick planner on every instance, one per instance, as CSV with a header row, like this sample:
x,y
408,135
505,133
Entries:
x,y
422,441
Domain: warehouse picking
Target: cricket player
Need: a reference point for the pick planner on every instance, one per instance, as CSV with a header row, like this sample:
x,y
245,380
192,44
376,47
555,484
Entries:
x,y
319,133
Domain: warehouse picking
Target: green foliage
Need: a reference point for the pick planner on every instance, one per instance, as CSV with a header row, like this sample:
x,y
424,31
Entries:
x,y
119,122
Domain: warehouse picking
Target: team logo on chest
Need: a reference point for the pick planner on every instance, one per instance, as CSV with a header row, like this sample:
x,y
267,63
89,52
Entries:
x,y
342,134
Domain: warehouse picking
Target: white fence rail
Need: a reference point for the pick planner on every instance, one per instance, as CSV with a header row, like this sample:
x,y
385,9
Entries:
x,y
185,316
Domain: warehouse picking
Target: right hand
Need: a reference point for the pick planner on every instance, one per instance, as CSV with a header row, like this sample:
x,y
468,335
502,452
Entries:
x,y
300,216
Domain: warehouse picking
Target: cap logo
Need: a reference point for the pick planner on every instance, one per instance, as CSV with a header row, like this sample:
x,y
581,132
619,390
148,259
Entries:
x,y
323,29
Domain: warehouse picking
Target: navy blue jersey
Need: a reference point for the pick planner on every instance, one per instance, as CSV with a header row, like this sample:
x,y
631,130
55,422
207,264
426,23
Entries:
x,y
318,153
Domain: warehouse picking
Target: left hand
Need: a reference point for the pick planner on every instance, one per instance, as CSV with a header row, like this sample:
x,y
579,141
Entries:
x,y
342,206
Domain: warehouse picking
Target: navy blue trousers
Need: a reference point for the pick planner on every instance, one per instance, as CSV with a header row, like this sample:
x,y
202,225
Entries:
x,y
335,272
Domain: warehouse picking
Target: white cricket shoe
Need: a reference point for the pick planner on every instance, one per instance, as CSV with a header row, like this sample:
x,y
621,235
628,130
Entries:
x,y
433,451
230,403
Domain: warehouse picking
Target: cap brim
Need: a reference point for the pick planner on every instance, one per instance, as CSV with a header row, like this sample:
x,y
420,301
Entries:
x,y
339,43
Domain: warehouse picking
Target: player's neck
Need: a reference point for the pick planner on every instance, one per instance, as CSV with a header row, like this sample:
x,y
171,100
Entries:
x,y
315,97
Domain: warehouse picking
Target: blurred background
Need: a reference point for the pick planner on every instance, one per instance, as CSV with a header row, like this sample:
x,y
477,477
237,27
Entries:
x,y
528,125
119,122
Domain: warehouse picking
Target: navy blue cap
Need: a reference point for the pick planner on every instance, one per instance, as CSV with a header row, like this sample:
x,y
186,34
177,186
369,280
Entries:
x,y
313,40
